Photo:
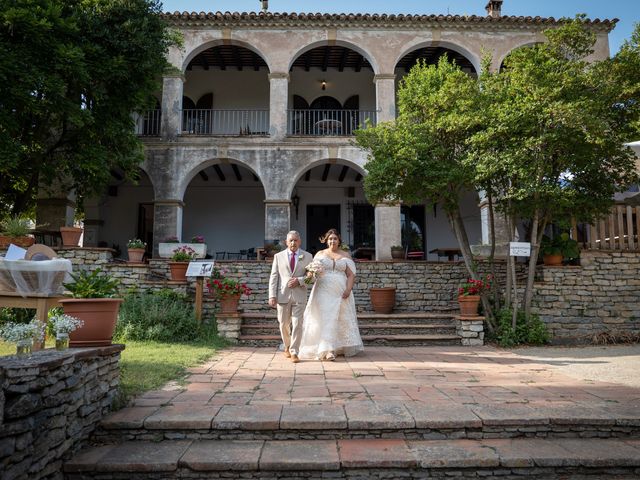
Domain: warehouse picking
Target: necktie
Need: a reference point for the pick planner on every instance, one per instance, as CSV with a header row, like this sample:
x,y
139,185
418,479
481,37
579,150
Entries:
x,y
292,261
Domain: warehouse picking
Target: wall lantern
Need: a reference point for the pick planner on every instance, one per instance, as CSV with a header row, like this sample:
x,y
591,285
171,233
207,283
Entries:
x,y
323,84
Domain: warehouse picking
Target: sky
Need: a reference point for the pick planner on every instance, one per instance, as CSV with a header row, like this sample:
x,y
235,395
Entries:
x,y
627,11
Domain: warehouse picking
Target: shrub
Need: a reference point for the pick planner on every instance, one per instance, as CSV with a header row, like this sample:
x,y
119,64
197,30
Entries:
x,y
161,316
532,333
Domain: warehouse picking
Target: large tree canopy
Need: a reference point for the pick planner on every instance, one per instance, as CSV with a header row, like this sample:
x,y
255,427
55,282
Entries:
x,y
71,74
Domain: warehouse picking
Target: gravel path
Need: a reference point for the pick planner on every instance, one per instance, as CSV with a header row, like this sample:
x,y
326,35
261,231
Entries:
x,y
614,364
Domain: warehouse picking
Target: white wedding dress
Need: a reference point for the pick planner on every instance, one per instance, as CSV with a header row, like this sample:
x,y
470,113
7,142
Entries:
x,y
330,323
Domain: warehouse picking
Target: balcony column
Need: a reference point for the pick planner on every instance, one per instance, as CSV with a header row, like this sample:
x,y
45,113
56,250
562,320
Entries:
x,y
388,231
167,220
385,96
55,207
278,102
277,217
171,106
93,222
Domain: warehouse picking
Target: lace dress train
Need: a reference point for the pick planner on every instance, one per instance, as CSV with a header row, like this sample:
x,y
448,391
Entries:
x,y
330,323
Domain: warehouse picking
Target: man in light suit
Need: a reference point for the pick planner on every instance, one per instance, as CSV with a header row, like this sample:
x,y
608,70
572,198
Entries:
x,y
288,292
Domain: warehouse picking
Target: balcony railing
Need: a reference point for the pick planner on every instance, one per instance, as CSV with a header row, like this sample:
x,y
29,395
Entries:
x,y
620,230
327,123
225,122
148,123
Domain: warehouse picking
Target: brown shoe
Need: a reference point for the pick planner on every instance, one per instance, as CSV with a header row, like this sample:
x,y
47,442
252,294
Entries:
x,y
286,352
294,358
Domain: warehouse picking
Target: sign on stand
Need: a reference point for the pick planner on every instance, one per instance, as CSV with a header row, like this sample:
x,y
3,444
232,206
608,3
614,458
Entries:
x,y
199,270
520,249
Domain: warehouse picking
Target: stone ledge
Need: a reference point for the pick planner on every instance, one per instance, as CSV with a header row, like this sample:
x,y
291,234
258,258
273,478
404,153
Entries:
x,y
51,358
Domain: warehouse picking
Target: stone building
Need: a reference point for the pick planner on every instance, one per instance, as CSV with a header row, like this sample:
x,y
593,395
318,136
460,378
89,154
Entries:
x,y
253,131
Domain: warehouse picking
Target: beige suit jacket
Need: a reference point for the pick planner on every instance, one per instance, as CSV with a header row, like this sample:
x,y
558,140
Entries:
x,y
281,273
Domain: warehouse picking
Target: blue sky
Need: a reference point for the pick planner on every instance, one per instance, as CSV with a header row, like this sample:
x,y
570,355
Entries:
x,y
628,11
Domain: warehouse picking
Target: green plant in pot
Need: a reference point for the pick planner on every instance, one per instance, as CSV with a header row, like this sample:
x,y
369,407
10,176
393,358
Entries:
x,y
561,247
15,230
397,251
93,301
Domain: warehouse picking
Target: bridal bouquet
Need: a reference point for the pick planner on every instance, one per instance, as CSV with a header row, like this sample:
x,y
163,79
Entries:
x,y
314,270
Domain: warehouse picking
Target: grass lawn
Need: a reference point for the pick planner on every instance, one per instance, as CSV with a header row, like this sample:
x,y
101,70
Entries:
x,y
148,365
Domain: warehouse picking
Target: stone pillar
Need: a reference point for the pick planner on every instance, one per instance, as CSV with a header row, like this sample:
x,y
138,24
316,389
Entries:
x,y
92,222
171,125
278,102
388,231
55,208
277,216
470,330
167,221
503,236
385,96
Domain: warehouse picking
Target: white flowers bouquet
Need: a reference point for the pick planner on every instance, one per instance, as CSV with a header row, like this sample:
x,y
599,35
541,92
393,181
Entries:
x,y
65,323
314,270
17,332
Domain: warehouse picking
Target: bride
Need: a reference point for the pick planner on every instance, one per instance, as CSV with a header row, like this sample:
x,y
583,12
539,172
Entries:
x,y
330,326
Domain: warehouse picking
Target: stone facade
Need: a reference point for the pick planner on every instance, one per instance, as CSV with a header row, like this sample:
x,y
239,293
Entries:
x,y
50,404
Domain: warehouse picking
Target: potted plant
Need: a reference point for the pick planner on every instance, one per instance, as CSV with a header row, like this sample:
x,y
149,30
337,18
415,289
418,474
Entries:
x,y
15,230
70,236
561,247
469,295
136,249
271,248
180,262
397,252
226,290
62,325
23,335
197,244
93,301
383,299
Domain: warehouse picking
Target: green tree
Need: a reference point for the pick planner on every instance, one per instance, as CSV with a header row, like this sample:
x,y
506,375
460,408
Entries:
x,y
71,74
421,156
553,145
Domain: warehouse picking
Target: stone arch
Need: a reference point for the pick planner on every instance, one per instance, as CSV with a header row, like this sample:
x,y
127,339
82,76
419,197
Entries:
x,y
299,172
500,60
340,43
458,48
196,169
218,42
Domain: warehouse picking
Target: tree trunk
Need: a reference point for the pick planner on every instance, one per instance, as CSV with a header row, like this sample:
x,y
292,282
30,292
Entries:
x,y
533,260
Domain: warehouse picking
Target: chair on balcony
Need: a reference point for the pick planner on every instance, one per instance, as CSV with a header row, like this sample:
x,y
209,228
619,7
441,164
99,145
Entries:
x,y
220,255
233,256
251,254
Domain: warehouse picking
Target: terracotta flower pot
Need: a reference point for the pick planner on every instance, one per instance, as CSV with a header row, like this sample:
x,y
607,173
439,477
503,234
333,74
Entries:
x,y
99,316
70,236
397,254
552,259
135,254
24,242
178,271
229,303
383,299
469,305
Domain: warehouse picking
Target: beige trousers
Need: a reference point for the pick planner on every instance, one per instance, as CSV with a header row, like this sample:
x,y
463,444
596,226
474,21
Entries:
x,y
290,319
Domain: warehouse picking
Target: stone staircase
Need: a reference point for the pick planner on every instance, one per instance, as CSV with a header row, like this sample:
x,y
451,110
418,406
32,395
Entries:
x,y
396,329
253,414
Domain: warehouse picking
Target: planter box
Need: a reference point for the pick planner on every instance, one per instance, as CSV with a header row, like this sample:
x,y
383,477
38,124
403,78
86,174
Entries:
x,y
165,250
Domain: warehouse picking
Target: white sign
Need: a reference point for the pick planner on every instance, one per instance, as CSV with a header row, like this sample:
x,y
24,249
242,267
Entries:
x,y
199,269
520,249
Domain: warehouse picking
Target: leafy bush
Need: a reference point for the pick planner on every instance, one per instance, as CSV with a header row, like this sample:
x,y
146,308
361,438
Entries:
x,y
161,316
93,285
533,333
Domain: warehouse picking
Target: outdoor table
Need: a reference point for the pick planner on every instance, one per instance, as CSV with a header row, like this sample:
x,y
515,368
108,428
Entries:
x,y
449,252
41,302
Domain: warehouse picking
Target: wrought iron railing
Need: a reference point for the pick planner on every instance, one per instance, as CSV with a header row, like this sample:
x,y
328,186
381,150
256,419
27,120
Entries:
x,y
225,122
148,123
322,123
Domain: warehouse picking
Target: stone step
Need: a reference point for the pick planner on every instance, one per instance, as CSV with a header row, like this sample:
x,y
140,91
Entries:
x,y
418,318
314,417
365,329
361,458
263,340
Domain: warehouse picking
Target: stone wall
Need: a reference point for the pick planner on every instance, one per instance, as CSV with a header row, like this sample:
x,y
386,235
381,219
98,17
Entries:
x,y
600,295
49,405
